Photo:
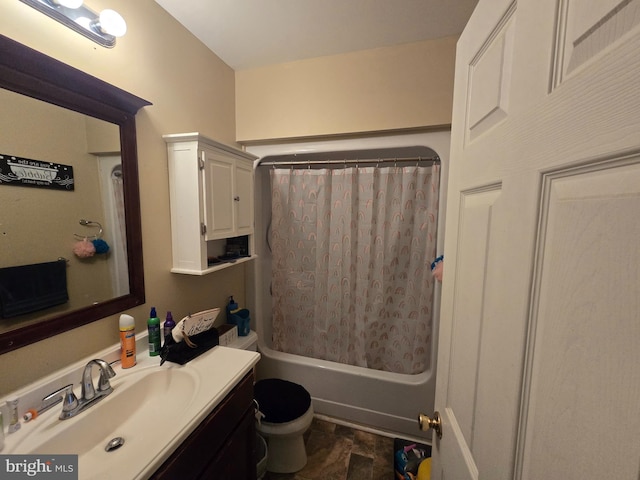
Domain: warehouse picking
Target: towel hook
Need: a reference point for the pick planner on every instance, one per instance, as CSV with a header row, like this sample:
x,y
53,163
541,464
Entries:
x,y
89,223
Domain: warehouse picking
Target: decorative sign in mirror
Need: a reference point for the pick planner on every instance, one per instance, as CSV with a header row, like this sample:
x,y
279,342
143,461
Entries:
x,y
53,122
26,172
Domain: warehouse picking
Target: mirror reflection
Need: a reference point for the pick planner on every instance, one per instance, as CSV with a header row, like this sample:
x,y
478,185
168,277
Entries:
x,y
44,221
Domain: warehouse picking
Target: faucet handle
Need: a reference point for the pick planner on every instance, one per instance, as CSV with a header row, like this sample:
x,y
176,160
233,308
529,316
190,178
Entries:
x,y
69,401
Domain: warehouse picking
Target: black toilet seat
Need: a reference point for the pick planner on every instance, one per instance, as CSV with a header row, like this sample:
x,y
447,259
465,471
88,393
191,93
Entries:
x,y
281,401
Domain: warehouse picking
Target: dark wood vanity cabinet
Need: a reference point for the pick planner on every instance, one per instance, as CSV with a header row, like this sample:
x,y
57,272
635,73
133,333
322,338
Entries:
x,y
222,446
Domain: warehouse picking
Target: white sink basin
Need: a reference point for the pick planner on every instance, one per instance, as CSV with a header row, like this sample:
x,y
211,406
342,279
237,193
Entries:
x,y
153,408
124,413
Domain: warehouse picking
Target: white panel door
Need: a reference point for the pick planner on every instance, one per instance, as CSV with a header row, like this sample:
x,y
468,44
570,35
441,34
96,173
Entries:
x,y
539,353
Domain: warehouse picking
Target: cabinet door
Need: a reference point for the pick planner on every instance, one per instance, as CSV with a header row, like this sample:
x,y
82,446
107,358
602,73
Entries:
x,y
243,198
222,447
237,459
219,203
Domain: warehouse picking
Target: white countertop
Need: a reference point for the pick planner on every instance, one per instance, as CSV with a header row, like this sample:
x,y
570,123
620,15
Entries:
x,y
153,427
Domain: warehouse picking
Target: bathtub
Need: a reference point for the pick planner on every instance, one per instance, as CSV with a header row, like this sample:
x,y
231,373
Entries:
x,y
383,401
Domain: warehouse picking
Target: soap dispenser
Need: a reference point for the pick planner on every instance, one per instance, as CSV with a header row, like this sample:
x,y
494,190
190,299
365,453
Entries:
x,y
232,307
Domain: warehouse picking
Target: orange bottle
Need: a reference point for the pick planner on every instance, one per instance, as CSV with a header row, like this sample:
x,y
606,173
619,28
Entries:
x,y
127,341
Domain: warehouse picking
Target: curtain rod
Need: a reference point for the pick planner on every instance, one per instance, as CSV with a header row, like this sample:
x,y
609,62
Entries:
x,y
349,161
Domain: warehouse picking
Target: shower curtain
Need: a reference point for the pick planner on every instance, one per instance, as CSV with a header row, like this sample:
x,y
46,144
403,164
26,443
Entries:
x,y
120,274
118,201
352,249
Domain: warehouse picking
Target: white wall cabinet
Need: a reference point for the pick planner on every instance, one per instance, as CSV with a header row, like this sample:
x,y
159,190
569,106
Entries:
x,y
211,195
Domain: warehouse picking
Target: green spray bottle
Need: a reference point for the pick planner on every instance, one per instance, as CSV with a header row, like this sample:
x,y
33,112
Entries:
x,y
153,325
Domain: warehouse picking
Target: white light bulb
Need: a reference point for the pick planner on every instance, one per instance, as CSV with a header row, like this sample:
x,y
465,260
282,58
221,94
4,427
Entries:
x,y
69,3
111,22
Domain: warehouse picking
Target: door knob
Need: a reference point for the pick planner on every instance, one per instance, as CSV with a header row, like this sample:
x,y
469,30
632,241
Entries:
x,y
426,423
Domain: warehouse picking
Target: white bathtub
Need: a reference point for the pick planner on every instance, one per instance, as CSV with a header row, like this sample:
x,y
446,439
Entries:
x,y
381,400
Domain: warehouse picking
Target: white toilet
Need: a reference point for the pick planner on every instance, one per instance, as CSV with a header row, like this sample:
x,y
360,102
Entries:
x,y
248,342
286,413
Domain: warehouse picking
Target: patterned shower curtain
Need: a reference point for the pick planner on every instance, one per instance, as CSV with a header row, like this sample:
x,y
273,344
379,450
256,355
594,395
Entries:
x,y
121,281
352,249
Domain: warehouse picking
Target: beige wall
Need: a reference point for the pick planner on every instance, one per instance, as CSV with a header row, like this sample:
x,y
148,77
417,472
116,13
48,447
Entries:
x,y
403,87
191,90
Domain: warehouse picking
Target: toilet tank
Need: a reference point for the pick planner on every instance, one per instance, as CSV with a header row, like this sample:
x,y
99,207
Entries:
x,y
248,342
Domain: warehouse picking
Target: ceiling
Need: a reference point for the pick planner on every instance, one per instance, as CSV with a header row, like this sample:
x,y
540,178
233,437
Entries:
x,y
252,33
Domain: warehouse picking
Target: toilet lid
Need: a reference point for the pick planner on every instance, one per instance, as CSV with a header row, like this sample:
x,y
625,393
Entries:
x,y
280,400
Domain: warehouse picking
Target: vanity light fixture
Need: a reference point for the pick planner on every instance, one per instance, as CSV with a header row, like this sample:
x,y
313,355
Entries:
x,y
102,28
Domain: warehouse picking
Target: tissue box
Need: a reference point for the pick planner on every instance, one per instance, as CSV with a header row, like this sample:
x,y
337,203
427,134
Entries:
x,y
227,334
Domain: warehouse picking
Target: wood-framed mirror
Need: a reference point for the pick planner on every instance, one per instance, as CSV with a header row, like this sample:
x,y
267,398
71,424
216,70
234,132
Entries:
x,y
36,77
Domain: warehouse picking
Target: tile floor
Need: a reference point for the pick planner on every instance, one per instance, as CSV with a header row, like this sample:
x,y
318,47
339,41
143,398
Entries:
x,y
336,452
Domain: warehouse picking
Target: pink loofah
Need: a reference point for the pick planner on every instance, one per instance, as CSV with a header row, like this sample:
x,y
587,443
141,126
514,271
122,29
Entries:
x,y
84,249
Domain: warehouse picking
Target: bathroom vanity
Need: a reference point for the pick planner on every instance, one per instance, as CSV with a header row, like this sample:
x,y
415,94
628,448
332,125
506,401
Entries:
x,y
222,446
177,421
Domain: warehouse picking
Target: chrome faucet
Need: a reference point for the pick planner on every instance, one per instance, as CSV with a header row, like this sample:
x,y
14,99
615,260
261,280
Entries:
x,y
104,388
71,406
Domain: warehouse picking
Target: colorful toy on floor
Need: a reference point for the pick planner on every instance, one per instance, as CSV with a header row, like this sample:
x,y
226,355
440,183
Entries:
x,y
408,459
424,470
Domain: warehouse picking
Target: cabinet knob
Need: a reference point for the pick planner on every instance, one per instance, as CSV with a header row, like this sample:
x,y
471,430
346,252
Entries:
x,y
237,199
